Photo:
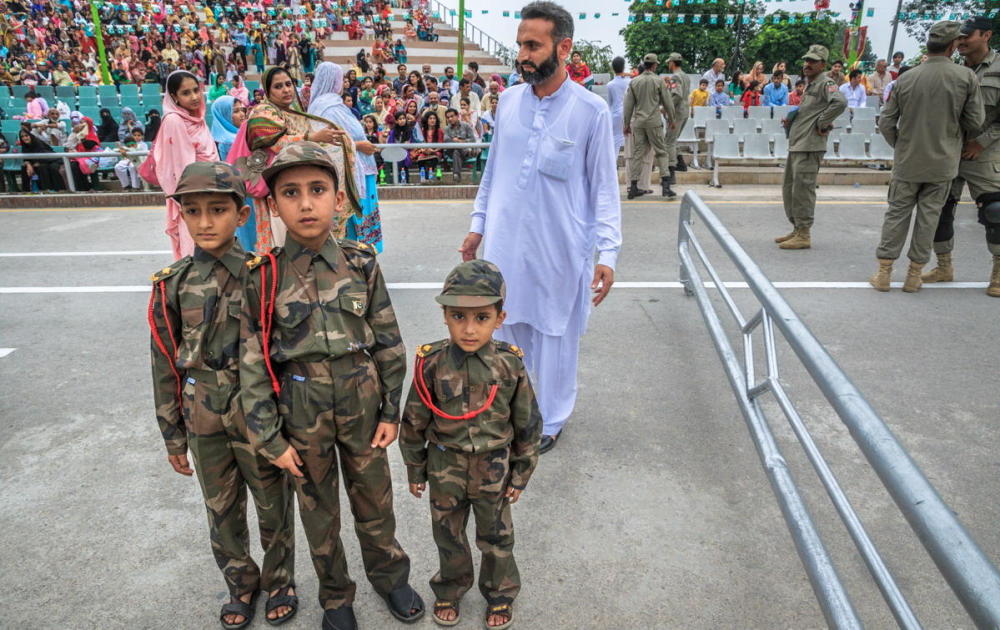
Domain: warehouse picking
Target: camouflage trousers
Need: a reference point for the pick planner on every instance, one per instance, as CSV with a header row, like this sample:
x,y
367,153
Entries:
x,y
226,465
458,482
327,409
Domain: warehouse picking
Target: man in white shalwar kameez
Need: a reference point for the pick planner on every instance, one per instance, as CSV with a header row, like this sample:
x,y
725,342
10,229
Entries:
x,y
548,205
616,101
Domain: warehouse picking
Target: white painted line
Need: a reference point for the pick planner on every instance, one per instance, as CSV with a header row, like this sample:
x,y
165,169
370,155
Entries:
x,y
137,252
436,286
5,351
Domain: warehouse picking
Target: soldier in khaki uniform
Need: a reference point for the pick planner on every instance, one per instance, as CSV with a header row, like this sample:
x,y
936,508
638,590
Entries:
x,y
930,110
680,88
808,128
645,97
322,365
195,328
980,164
472,428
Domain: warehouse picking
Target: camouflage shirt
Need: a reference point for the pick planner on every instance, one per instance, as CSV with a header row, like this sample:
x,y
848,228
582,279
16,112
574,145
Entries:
x,y
203,297
330,304
459,382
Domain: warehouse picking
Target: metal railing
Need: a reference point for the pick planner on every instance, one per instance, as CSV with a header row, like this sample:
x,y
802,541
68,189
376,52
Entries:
x,y
473,33
66,157
426,145
974,580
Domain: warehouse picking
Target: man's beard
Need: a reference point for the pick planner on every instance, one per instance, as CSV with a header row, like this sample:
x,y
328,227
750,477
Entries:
x,y
542,73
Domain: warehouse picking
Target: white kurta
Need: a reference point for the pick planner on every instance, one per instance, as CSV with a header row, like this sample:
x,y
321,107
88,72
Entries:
x,y
548,200
616,102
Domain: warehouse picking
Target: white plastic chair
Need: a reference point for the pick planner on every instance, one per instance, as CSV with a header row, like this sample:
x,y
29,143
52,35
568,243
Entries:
x,y
864,126
732,112
852,147
724,147
759,112
757,147
864,113
880,149
780,111
714,128
689,138
771,126
701,114
780,146
744,126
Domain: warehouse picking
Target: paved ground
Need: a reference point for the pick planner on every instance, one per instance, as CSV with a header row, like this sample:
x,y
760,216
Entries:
x,y
653,512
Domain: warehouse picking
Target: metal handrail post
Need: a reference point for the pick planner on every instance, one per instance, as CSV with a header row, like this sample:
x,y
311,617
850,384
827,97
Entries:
x,y
69,174
969,573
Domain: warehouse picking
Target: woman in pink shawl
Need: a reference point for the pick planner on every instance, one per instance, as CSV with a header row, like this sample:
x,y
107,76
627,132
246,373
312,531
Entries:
x,y
239,91
184,137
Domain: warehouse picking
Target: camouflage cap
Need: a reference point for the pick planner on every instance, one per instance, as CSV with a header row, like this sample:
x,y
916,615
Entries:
x,y
210,177
473,283
675,57
651,58
302,153
944,32
817,53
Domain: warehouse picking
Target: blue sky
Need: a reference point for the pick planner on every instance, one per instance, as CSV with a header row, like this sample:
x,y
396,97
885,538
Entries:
x,y
606,28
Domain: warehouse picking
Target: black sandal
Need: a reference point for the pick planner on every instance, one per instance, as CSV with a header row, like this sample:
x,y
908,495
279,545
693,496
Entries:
x,y
500,609
401,601
239,607
282,598
340,619
440,605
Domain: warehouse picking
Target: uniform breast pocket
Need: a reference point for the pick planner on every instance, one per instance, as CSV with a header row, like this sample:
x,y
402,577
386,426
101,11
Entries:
x,y
449,392
557,157
192,316
354,303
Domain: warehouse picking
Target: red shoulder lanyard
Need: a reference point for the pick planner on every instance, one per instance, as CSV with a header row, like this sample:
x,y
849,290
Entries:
x,y
425,396
170,356
267,315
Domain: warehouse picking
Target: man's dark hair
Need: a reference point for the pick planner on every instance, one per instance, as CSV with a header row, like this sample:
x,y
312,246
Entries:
x,y
474,66
898,53
854,74
402,65
562,21
451,110
778,73
618,65
648,65
902,69
936,48
462,82
448,68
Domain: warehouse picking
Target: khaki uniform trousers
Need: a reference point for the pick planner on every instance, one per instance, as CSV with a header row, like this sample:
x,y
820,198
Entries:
x,y
646,163
644,139
670,138
905,197
798,192
982,176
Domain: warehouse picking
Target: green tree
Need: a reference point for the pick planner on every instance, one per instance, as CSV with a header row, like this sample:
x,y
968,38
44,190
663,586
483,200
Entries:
x,y
921,14
788,42
595,54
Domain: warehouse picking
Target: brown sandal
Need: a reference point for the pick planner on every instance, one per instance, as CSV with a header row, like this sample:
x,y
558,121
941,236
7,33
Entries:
x,y
440,605
500,609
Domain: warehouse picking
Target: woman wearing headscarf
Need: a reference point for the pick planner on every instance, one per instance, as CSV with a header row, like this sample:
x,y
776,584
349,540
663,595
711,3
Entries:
x,y
46,170
107,129
219,89
183,138
228,115
152,125
327,103
239,91
279,121
129,122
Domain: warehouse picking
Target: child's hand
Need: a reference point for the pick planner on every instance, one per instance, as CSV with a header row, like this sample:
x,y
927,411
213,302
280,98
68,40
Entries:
x,y
180,464
290,461
417,489
513,494
385,434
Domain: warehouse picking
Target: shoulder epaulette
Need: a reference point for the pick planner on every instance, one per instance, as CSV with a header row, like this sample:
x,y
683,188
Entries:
x,y
166,272
254,260
358,245
507,347
428,349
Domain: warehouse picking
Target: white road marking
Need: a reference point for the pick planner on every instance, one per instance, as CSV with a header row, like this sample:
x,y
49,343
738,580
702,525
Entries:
x,y
5,351
436,286
137,252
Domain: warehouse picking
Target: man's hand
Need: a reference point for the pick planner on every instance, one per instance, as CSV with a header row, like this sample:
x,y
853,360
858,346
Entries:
x,y
290,461
784,123
627,130
604,278
180,464
469,246
823,131
971,150
385,434
417,489
513,494
672,125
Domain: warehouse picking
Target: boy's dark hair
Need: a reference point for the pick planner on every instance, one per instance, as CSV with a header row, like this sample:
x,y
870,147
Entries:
x,y
562,21
799,82
462,82
451,110
854,74
779,73
720,81
703,82
618,65
473,65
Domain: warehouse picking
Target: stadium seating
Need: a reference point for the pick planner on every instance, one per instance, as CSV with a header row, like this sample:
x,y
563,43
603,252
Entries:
x,y
880,149
852,147
759,111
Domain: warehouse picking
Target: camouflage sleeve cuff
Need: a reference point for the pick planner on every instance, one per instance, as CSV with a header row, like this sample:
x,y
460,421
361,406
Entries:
x,y
416,473
177,448
519,478
274,448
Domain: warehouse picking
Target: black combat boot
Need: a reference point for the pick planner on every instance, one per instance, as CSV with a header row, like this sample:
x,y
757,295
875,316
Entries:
x,y
633,190
682,166
665,186
672,177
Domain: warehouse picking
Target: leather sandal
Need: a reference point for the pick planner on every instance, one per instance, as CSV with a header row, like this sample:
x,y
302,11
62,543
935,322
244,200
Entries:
x,y
340,619
441,605
282,598
401,601
499,609
239,607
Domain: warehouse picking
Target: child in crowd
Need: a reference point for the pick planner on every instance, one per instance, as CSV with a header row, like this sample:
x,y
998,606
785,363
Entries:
x,y
127,168
322,365
795,96
699,97
194,321
719,97
472,429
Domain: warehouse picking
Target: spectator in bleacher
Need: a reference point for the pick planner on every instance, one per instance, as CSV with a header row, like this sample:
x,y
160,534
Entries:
x,y
458,131
736,88
578,70
152,125
892,84
416,81
219,88
716,72
224,125
127,168
836,73
897,65
469,116
776,92
477,79
44,172
128,123
492,91
431,130
720,98
183,138
37,107
449,75
239,91
61,76
751,97
400,133
795,96
107,127
401,78
470,76
853,91
489,119
465,90
349,104
616,101
50,130
434,105
10,170
699,96
756,74
879,79
782,67
399,51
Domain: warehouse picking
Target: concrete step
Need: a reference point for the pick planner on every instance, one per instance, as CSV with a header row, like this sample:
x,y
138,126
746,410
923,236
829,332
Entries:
x,y
445,41
771,175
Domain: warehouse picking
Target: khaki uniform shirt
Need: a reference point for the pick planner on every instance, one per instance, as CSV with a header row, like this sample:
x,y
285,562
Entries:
x,y
930,110
645,95
821,103
329,304
459,382
988,73
203,301
680,98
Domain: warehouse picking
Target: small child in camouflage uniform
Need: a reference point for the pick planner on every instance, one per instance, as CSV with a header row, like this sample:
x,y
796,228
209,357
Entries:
x,y
472,427
194,320
322,366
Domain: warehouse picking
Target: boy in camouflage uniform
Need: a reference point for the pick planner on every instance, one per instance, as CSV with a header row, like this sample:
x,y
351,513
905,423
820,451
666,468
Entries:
x,y
472,427
322,365
194,320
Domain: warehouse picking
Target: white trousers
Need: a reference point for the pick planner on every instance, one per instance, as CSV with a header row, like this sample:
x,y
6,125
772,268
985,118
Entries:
x,y
127,174
551,362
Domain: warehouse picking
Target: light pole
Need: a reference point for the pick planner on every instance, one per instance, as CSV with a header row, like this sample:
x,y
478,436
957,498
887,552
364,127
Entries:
x,y
895,25
95,18
460,59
